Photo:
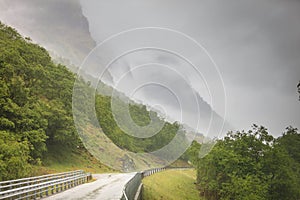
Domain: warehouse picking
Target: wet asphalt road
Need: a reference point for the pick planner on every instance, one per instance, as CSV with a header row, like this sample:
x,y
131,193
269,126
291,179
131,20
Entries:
x,y
106,187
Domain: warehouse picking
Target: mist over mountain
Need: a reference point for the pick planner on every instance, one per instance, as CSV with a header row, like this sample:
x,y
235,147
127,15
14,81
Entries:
x,y
64,30
57,24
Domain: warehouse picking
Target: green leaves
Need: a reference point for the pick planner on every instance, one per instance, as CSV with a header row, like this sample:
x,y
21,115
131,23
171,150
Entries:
x,y
290,141
252,165
141,117
35,104
14,156
249,187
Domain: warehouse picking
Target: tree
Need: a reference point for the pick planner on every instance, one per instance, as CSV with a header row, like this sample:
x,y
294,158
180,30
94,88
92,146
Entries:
x,y
35,104
14,156
290,141
252,165
192,153
284,166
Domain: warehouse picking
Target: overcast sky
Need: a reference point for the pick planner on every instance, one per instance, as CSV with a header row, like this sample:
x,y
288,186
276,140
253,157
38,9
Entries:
x,y
255,44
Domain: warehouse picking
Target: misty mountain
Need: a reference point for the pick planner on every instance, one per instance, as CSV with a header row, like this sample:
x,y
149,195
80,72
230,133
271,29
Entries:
x,y
58,25
61,27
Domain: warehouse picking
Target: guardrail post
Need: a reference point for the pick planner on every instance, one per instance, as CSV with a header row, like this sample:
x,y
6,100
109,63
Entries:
x,y
46,192
52,189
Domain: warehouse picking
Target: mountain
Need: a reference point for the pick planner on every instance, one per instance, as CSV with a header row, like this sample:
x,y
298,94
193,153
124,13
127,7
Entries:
x,y
39,117
63,30
58,25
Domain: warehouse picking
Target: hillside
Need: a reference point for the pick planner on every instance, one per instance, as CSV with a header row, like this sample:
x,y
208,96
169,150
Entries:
x,y
36,119
35,107
64,28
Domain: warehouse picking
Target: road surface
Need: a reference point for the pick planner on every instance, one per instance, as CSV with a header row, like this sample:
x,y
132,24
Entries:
x,y
106,187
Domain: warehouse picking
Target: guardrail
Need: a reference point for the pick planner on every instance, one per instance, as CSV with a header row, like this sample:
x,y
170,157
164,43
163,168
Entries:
x,y
42,186
11,184
152,171
133,189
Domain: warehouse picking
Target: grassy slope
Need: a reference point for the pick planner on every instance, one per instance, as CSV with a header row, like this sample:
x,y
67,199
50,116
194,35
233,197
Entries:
x,y
171,185
61,159
107,152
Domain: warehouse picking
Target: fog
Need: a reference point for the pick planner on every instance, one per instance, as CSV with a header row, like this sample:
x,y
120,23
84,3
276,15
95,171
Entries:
x,y
249,62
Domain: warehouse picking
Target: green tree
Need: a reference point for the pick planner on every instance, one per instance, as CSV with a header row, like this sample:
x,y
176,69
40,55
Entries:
x,y
14,156
251,165
283,166
35,104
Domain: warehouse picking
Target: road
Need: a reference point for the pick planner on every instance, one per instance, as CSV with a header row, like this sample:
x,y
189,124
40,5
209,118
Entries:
x,y
106,187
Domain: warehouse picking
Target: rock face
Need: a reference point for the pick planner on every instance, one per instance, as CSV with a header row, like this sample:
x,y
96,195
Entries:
x,y
58,25
128,164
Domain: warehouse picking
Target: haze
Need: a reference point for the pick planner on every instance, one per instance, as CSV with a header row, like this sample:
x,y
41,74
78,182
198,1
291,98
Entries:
x,y
255,44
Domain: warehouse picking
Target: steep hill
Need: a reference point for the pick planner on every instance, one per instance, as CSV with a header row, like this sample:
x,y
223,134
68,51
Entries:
x,y
36,121
36,116
64,29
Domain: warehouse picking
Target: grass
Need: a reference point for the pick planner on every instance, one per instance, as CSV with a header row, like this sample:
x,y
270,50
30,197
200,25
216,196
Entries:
x,y
171,185
62,159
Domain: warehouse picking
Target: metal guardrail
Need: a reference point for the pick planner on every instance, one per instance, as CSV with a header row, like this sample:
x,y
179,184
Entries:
x,y
152,171
42,186
11,184
133,188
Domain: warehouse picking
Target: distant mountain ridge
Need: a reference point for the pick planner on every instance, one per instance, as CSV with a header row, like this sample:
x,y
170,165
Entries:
x,y
58,25
61,27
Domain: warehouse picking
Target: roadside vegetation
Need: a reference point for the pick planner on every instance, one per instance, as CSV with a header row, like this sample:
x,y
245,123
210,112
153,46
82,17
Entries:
x,y
171,185
252,165
35,106
61,159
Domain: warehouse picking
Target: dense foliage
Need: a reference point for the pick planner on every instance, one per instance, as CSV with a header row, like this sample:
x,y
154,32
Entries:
x,y
252,165
35,106
140,116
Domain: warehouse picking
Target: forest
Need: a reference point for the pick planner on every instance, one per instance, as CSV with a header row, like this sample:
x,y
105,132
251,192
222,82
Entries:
x,y
35,107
